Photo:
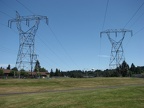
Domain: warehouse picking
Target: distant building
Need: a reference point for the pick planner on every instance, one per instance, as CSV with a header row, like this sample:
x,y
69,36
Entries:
x,y
7,73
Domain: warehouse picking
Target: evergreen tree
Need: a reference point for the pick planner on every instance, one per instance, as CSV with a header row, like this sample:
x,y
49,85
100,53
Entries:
x,y
9,67
51,73
57,72
37,66
124,69
132,68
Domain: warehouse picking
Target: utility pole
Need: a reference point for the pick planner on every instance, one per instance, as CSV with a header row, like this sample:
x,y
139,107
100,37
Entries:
x,y
26,57
117,52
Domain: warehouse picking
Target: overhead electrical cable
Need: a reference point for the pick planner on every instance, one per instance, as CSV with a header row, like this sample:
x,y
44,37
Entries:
x,y
105,15
134,22
7,6
38,37
44,43
134,14
103,25
8,27
137,19
139,31
135,34
49,59
25,6
11,29
53,34
62,47
6,49
6,14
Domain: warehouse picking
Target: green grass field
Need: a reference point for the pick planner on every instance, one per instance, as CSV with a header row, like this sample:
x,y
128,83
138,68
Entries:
x,y
72,93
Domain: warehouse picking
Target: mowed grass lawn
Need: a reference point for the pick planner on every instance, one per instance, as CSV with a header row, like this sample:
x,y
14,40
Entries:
x,y
73,93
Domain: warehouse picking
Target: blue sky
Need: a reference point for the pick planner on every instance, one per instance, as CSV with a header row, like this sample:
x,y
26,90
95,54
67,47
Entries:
x,y
72,38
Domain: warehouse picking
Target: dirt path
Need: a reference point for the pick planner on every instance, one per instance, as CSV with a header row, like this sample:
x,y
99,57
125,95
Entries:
x,y
69,90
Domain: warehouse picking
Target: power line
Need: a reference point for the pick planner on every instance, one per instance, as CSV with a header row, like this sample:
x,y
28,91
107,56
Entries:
x,y
134,22
134,35
105,15
49,59
5,50
3,25
7,5
134,15
38,37
51,50
139,31
102,30
33,13
25,6
6,14
62,46
8,27
52,33
137,19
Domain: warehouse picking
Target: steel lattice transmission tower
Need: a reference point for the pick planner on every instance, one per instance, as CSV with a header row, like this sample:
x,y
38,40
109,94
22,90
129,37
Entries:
x,y
26,57
117,52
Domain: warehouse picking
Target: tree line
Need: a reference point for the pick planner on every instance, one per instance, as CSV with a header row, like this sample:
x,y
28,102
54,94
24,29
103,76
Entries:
x,y
124,70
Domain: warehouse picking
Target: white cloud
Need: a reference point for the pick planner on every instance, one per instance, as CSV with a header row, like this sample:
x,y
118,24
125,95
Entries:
x,y
104,56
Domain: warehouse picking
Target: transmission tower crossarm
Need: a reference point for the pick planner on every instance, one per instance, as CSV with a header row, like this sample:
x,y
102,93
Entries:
x,y
115,31
27,19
